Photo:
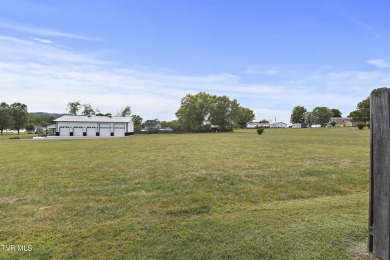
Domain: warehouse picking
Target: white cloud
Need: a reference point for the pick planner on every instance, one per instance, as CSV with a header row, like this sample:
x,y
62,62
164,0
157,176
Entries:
x,y
43,40
272,71
7,39
12,48
251,71
269,72
341,75
380,63
41,31
351,75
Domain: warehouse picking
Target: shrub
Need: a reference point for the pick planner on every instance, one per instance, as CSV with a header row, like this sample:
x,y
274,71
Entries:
x,y
333,123
361,125
260,130
368,125
137,129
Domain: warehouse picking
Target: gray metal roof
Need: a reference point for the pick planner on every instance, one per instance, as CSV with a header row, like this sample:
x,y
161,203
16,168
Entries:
x,y
94,119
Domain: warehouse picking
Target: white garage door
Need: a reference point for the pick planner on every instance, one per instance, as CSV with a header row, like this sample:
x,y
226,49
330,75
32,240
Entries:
x,y
91,131
64,131
119,130
105,131
78,131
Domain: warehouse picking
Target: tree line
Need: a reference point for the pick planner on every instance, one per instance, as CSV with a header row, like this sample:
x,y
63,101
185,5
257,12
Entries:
x,y
322,115
13,116
17,117
197,113
319,115
74,107
203,112
200,112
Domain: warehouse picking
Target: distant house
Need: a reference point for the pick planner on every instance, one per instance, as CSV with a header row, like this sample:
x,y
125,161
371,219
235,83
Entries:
x,y
152,124
92,126
266,125
251,125
279,125
258,125
300,125
166,130
342,121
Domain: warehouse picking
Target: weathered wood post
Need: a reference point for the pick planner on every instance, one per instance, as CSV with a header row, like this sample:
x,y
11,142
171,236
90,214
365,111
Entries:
x,y
379,207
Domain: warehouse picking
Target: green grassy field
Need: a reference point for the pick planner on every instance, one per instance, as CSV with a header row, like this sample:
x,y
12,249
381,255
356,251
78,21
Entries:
x,y
287,194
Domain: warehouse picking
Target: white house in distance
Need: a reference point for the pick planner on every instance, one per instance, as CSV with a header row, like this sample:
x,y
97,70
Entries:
x,y
266,125
91,125
279,125
300,125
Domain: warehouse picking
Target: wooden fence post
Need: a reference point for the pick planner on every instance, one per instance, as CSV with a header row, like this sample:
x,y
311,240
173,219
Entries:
x,y
379,206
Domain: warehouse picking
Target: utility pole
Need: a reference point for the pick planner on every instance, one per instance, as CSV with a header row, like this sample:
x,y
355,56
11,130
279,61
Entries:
x,y
379,206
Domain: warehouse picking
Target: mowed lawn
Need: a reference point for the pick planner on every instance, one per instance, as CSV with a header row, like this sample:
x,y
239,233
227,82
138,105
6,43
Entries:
x,y
287,194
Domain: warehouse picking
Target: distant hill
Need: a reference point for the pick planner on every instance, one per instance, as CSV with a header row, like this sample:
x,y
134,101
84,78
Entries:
x,y
56,115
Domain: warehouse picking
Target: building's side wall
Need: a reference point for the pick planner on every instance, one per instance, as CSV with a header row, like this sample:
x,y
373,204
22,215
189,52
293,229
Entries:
x,y
130,128
111,127
73,125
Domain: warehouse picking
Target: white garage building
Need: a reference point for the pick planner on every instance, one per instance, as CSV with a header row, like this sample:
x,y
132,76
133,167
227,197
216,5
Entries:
x,y
103,126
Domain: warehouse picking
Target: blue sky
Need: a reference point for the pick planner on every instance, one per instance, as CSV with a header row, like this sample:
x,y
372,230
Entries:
x,y
269,55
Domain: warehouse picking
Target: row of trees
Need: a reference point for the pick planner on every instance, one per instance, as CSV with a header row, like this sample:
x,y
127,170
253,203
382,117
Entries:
x,y
319,115
12,116
75,107
198,112
322,115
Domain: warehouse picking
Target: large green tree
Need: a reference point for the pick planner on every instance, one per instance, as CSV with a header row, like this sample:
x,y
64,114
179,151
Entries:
x,y
297,114
244,115
89,110
137,120
223,112
336,112
6,120
125,112
362,112
19,114
73,107
197,112
175,125
322,115
194,111
309,118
